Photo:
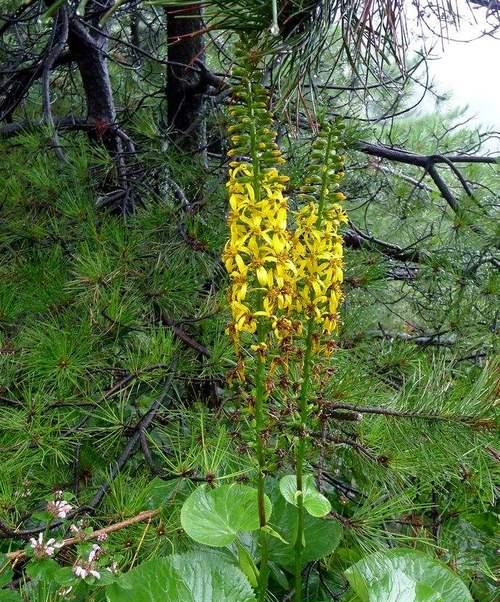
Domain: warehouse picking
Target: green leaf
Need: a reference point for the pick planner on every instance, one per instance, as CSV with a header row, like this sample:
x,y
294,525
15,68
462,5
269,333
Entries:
x,y
247,565
214,517
405,576
160,492
191,577
315,502
279,576
64,576
273,533
7,595
6,573
43,516
321,535
45,568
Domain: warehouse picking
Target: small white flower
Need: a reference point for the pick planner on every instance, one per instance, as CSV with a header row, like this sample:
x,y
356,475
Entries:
x,y
80,571
113,568
42,549
65,592
35,544
52,545
86,568
59,508
102,537
94,552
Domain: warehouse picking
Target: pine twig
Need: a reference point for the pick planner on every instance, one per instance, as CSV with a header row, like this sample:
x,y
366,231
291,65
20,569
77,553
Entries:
x,y
465,419
18,555
115,469
184,337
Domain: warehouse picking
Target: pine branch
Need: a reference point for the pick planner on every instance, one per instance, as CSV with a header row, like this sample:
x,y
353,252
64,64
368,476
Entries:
x,y
18,555
183,336
115,469
126,380
351,443
472,421
428,163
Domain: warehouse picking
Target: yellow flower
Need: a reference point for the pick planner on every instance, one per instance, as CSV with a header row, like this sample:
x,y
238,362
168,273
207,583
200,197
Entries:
x,y
317,249
257,254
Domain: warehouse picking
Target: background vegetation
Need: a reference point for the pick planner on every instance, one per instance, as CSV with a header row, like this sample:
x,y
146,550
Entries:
x,y
114,360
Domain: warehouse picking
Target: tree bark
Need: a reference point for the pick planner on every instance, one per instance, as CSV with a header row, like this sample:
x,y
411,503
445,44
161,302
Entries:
x,y
185,76
88,45
89,52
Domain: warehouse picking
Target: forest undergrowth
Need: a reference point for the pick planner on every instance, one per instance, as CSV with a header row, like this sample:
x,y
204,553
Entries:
x,y
102,317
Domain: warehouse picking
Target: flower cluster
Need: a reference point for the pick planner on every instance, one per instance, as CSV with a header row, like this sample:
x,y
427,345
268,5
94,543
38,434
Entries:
x,y
44,549
257,254
280,275
59,508
316,248
87,568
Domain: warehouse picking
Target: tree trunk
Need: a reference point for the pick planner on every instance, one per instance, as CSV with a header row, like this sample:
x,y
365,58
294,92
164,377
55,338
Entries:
x,y
88,48
185,76
89,52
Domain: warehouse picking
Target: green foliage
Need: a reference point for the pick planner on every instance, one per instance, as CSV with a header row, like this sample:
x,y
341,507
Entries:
x,y
187,577
405,576
95,310
321,536
215,517
315,503
103,288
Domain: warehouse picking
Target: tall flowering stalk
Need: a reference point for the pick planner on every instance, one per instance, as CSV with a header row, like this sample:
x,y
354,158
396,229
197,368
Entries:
x,y
316,251
280,277
256,255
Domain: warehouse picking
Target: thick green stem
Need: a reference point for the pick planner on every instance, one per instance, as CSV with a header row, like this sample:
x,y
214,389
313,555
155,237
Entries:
x,y
303,399
260,392
299,461
260,424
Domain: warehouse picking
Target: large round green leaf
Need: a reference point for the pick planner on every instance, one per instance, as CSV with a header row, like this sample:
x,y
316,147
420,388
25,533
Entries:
x,y
315,502
215,516
192,577
321,536
405,576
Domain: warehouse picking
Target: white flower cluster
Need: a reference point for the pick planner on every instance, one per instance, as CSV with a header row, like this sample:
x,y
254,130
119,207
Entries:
x,y
86,568
59,508
42,549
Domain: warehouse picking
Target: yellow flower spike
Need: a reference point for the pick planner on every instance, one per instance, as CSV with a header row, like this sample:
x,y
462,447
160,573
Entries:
x,y
316,245
257,255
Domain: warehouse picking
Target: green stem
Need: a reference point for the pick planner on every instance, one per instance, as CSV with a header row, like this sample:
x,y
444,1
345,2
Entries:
x,y
260,424
299,461
260,394
303,398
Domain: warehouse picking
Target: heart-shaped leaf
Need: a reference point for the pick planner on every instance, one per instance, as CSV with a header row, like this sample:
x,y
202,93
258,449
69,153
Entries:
x,y
405,576
214,517
321,536
315,502
188,577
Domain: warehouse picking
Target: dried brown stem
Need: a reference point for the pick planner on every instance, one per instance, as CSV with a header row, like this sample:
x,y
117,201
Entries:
x,y
18,555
